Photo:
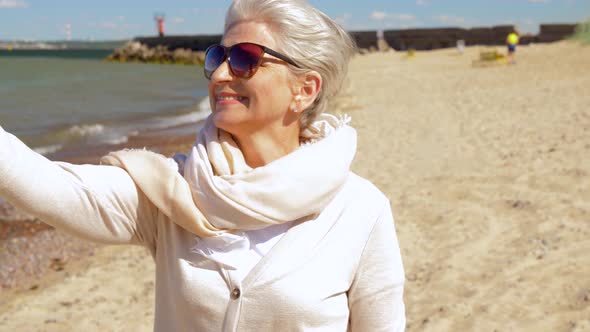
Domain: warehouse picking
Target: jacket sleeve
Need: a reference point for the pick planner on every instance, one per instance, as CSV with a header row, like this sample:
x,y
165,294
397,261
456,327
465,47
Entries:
x,y
97,203
376,295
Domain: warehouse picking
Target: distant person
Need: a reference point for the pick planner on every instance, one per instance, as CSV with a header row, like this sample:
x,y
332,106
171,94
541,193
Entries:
x,y
511,42
461,46
262,226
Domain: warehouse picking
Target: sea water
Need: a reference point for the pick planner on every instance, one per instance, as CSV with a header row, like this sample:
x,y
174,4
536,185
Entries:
x,y
58,101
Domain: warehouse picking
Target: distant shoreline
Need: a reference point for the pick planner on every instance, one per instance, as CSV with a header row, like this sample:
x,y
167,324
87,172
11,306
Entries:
x,y
98,54
60,45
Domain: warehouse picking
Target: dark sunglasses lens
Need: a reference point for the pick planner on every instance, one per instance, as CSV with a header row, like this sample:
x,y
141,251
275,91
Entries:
x,y
244,59
213,59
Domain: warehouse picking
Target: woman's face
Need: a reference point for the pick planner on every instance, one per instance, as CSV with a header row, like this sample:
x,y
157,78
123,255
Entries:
x,y
257,104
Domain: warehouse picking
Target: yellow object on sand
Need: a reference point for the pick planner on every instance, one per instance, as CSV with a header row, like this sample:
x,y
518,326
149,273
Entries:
x,y
490,58
410,54
512,39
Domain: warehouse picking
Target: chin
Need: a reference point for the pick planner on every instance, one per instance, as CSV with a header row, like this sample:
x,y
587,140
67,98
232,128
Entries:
x,y
228,122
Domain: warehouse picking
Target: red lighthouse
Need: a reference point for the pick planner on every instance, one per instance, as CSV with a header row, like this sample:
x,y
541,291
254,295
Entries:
x,y
160,24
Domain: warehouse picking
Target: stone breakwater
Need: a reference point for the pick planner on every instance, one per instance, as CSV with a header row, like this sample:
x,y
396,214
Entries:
x,y
190,49
137,52
437,38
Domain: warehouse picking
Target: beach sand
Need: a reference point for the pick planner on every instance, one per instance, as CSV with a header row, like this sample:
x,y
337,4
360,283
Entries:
x,y
488,172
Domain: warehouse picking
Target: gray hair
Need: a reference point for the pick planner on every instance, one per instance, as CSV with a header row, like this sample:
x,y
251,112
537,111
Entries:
x,y
308,36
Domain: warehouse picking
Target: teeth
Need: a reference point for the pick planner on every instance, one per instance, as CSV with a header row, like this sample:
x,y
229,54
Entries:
x,y
230,98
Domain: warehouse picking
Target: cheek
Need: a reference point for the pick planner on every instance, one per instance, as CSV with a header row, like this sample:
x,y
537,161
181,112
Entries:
x,y
211,98
274,94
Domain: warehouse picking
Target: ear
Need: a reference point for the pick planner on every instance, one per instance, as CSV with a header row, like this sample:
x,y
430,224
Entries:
x,y
307,91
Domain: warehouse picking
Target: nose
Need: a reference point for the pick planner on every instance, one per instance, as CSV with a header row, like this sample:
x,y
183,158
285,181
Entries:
x,y
222,73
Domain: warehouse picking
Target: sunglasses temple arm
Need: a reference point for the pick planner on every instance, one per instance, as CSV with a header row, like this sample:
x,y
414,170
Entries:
x,y
280,56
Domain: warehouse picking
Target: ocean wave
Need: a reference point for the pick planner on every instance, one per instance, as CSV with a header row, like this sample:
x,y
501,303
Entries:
x,y
86,130
202,112
44,150
166,122
116,140
93,134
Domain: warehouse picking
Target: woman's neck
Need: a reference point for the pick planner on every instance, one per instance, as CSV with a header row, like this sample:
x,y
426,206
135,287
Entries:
x,y
261,148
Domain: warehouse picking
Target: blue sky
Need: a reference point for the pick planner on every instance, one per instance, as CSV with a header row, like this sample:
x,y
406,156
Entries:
x,y
125,19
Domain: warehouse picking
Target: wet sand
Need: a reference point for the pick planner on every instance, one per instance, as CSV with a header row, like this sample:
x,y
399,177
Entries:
x,y
488,171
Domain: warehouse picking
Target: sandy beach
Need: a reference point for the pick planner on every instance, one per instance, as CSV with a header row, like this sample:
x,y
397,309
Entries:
x,y
488,172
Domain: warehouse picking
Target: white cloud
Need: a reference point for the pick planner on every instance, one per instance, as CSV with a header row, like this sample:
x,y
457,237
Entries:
x,y
402,17
421,2
13,4
447,19
110,25
178,20
377,15
394,20
539,1
416,24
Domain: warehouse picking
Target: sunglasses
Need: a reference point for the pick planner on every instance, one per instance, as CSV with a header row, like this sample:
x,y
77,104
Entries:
x,y
243,58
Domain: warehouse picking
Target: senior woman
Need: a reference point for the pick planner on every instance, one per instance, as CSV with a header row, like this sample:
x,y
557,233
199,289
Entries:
x,y
261,226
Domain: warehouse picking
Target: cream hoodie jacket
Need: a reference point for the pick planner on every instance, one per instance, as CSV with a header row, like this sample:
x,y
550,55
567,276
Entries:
x,y
340,270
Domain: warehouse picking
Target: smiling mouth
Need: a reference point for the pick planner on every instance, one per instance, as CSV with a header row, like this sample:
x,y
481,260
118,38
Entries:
x,y
227,98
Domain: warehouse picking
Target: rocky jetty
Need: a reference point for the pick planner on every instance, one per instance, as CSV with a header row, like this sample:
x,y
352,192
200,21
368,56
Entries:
x,y
134,51
190,49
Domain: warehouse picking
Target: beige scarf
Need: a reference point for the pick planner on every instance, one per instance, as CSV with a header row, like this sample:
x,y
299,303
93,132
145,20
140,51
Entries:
x,y
218,192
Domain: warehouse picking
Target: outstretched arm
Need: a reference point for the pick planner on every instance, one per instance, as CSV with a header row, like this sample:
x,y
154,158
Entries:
x,y
376,296
98,203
